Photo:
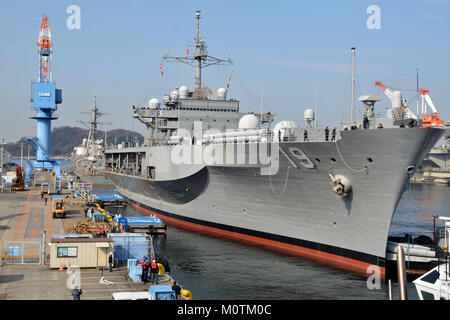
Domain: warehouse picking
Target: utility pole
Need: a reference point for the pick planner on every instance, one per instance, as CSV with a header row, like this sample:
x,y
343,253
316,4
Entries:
x,y
21,155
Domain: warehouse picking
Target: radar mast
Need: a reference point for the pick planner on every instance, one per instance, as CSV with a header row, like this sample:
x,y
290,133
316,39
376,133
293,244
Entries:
x,y
201,57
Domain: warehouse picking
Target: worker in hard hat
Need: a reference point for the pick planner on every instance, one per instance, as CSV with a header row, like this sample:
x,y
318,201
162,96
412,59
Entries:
x,y
145,267
154,270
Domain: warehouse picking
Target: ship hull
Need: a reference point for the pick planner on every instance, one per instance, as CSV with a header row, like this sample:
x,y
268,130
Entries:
x,y
295,210
356,262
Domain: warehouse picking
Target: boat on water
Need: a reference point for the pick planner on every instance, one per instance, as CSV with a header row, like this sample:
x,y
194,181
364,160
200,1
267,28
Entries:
x,y
322,194
435,284
88,158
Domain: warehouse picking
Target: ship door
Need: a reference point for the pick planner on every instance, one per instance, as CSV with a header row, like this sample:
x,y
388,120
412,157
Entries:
x,y
151,172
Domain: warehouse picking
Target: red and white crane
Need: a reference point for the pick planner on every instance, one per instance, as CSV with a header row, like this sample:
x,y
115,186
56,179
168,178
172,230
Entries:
x,y
409,114
433,119
45,52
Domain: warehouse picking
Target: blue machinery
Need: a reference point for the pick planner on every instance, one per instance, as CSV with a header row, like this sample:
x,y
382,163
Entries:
x,y
45,98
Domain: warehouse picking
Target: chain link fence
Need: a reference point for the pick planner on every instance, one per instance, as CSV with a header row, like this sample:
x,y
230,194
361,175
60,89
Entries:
x,y
23,252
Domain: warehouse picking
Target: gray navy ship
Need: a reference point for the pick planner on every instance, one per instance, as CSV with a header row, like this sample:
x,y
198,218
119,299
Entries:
x,y
88,158
209,168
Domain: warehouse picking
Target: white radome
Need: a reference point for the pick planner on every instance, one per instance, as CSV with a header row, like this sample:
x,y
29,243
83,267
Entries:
x,y
184,92
249,121
222,93
309,115
154,103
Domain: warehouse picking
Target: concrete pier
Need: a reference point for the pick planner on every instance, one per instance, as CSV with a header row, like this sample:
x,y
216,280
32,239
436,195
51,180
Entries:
x,y
25,217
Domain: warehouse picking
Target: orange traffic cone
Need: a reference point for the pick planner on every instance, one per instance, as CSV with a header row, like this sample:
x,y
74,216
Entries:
x,y
61,267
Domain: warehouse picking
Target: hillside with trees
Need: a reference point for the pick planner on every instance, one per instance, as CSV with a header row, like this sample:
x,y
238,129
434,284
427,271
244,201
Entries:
x,y
64,139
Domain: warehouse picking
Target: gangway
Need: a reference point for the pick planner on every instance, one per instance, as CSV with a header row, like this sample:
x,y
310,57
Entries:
x,y
83,190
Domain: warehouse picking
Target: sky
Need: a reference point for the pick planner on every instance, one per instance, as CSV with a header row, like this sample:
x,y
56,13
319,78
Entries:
x,y
287,55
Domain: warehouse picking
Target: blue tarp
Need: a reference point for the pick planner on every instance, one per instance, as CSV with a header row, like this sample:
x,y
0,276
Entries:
x,y
141,220
108,197
130,245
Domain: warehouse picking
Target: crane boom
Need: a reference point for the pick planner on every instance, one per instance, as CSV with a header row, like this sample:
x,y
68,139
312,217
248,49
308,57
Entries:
x,y
433,119
390,95
385,90
426,97
45,51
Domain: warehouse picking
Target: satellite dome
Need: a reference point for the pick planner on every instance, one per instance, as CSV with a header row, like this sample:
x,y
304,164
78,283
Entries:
x,y
285,125
154,103
184,92
249,121
222,94
309,115
174,95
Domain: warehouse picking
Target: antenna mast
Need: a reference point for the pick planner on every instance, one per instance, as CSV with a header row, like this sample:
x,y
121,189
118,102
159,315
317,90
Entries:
x,y
417,94
315,104
352,107
201,57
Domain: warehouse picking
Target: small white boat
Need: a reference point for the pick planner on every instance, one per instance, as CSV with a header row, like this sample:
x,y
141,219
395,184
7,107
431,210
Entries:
x,y
435,284
144,295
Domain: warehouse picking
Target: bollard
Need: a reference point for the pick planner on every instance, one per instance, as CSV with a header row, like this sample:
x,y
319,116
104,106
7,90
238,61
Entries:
x,y
390,289
401,274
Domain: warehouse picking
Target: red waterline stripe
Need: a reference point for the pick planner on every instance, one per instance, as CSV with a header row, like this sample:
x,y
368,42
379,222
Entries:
x,y
321,257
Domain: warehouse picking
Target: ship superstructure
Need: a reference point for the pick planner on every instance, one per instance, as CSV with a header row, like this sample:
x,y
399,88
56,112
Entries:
x,y
88,158
207,167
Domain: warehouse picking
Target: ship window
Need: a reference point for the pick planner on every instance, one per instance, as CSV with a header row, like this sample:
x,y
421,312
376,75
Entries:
x,y
427,295
431,277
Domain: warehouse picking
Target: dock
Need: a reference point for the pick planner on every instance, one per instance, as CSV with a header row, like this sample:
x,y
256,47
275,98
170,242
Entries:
x,y
26,223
